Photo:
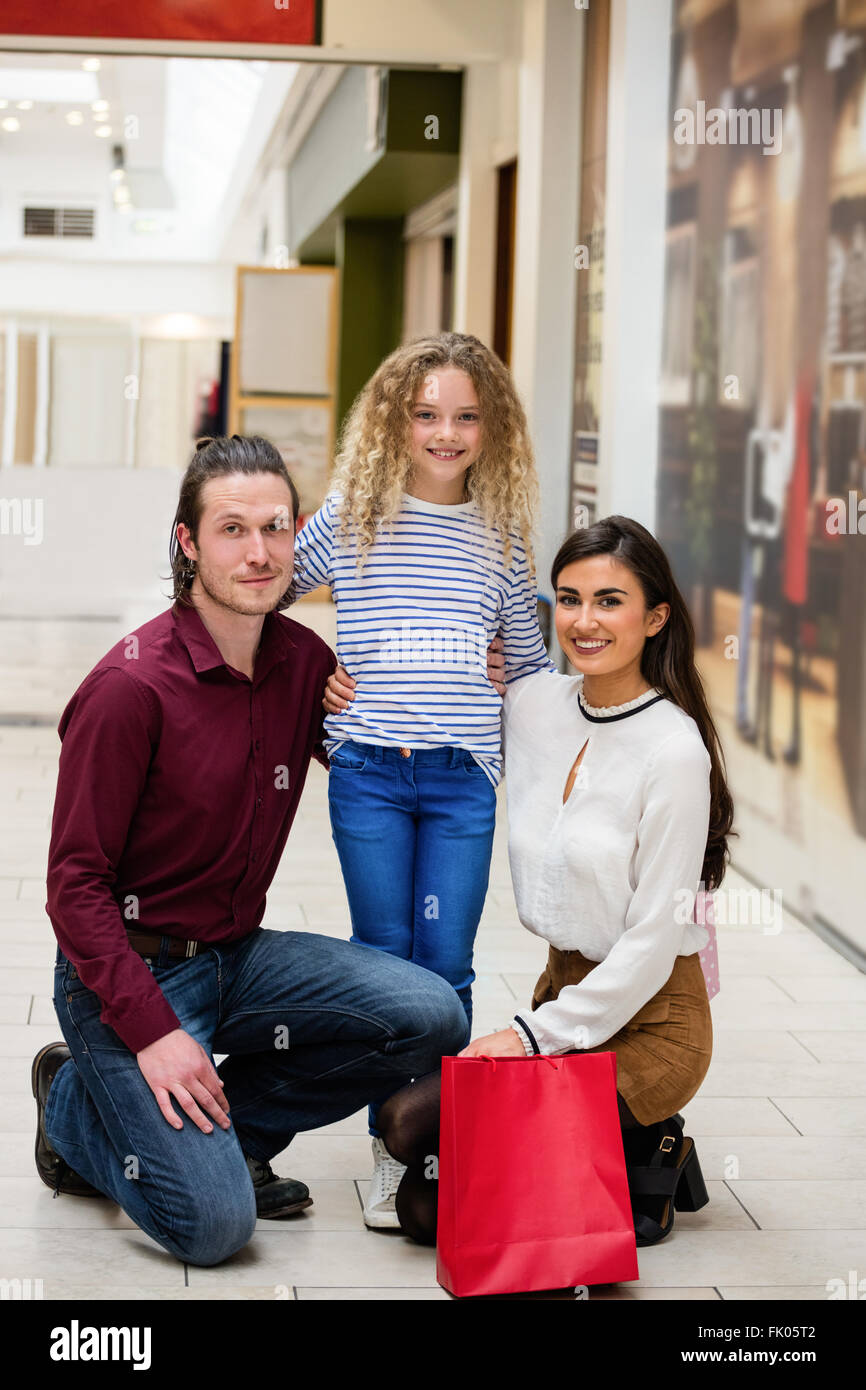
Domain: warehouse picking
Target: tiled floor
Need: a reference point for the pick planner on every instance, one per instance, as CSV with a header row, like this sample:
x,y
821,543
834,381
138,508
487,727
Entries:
x,y
779,1122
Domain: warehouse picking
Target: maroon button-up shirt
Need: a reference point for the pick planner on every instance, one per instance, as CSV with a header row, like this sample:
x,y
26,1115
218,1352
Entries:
x,y
179,779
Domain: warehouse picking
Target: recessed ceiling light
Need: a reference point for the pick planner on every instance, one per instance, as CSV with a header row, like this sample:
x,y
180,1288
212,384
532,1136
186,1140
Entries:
x,y
75,118
24,105
99,106
3,103
103,130
11,123
91,65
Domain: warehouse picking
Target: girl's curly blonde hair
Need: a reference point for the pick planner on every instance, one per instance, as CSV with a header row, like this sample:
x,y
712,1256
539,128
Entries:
x,y
374,463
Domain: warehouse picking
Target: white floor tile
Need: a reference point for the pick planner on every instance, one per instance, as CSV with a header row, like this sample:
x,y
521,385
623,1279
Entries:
x,y
327,1258
714,1115
15,1008
832,1046
820,1079
738,1156
815,1116
772,1258
384,1295
104,1258
832,1204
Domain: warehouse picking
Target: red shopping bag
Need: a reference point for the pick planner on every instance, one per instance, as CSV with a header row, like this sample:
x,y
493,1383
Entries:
x,y
532,1184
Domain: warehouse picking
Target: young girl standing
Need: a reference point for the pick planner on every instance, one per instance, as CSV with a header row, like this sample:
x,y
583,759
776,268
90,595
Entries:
x,y
425,544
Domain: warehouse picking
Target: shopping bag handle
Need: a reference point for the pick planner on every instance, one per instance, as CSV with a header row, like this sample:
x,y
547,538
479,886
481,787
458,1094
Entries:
x,y
484,1057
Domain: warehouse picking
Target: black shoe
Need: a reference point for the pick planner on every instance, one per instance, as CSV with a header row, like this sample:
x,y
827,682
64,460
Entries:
x,y
276,1196
668,1177
52,1169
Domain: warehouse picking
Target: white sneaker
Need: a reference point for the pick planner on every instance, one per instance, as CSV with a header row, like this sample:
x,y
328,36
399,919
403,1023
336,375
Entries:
x,y
379,1208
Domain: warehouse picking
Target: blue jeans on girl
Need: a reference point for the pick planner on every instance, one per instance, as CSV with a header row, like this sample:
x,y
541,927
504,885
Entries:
x,y
414,832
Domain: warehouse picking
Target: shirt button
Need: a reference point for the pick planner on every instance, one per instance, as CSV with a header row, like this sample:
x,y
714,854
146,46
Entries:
x,y
405,752
258,801
258,744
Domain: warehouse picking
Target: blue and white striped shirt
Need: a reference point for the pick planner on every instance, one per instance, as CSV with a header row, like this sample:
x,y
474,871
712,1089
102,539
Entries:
x,y
414,627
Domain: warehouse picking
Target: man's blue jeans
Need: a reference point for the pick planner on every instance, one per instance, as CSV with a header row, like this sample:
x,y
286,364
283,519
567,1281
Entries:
x,y
314,1027
414,835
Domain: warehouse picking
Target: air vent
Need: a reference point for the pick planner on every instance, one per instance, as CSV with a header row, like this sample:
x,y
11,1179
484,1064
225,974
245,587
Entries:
x,y
65,222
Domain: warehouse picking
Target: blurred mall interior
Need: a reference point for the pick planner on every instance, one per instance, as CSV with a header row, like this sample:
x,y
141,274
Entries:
x,y
201,236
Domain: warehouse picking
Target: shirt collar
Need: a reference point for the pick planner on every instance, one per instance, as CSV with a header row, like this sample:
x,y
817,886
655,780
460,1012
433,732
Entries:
x,y
276,644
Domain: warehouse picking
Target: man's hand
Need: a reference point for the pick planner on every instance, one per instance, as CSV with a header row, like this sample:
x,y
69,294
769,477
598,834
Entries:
x,y
496,664
176,1065
339,690
505,1043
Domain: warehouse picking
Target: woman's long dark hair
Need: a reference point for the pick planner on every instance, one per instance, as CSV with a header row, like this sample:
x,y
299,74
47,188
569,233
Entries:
x,y
668,657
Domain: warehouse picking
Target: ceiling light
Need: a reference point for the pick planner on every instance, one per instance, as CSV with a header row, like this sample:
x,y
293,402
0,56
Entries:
x,y
74,118
103,131
58,86
99,106
24,105
11,123
91,65
3,103
117,175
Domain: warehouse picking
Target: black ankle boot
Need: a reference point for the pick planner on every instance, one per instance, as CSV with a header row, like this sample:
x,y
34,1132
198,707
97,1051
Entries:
x,y
666,1176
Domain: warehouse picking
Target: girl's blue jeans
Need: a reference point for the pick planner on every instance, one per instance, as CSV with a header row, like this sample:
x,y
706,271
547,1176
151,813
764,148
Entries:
x,y
414,832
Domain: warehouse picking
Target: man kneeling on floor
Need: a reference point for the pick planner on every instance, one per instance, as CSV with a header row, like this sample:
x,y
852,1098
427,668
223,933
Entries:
x,y
184,754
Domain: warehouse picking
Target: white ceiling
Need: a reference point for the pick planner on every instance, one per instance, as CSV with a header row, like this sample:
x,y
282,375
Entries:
x,y
182,124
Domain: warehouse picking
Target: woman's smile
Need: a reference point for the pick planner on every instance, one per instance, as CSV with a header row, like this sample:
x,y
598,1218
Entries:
x,y
590,646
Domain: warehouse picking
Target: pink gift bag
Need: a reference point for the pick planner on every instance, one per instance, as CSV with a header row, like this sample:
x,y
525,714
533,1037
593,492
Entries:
x,y
709,956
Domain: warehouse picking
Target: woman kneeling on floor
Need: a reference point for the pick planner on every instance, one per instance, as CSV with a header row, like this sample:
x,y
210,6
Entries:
x,y
618,811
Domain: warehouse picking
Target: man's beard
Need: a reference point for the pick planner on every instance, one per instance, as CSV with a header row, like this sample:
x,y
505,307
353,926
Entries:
x,y
223,599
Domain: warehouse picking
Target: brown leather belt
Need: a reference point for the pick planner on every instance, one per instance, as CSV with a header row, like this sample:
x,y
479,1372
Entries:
x,y
150,943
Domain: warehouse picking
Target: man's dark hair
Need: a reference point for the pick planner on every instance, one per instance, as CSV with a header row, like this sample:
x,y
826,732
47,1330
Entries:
x,y
215,458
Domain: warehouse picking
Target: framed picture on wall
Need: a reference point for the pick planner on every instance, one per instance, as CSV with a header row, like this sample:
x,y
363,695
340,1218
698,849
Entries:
x,y
286,331
283,371
302,431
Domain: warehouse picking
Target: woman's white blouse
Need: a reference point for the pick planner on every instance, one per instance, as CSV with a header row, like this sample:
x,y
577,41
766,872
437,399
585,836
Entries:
x,y
613,872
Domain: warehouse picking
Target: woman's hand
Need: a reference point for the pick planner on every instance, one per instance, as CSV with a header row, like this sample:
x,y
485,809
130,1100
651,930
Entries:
x,y
339,690
505,1043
